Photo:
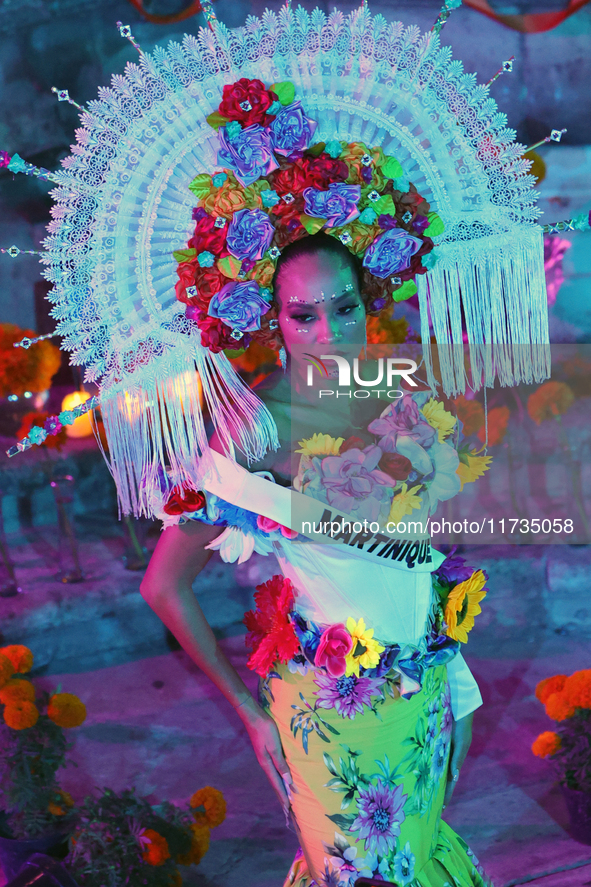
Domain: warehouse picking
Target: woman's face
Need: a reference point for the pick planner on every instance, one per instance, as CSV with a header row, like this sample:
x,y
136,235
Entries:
x,y
320,304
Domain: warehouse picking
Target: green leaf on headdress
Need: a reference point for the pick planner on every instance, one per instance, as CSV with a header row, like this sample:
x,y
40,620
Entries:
x,y
384,206
436,226
316,150
215,119
284,91
201,185
230,266
311,223
407,290
391,169
184,255
234,352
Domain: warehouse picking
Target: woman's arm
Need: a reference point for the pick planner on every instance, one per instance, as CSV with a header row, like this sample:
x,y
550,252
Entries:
x,y
179,557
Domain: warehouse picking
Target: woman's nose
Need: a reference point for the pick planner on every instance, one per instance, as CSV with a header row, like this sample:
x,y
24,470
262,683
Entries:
x,y
328,332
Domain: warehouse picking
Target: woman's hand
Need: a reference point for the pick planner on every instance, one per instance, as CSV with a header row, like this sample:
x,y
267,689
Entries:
x,y
461,737
264,735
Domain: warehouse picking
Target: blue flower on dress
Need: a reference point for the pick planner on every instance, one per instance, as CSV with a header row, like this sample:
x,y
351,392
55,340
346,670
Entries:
x,y
250,234
347,694
338,205
239,306
380,813
404,865
391,252
291,130
249,154
439,759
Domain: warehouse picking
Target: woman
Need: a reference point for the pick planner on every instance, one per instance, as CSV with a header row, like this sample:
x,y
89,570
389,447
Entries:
x,y
384,823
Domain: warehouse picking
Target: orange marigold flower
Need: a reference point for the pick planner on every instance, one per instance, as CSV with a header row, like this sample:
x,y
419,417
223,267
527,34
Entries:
x,y
497,421
17,690
214,803
66,710
20,656
470,414
550,400
558,707
199,845
545,688
22,714
62,801
6,669
157,852
546,744
577,688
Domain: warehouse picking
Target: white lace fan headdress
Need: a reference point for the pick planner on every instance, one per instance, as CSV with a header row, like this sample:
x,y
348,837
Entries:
x,y
122,206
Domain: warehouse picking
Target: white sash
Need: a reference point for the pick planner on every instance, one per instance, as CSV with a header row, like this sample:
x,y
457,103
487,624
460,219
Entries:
x,y
317,521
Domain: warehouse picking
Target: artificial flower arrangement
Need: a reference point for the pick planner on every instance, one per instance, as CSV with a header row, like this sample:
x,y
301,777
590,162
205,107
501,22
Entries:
x,y
275,186
411,466
122,839
33,748
567,700
353,669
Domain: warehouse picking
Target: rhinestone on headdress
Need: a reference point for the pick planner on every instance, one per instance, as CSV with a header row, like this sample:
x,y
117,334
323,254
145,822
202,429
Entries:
x,y
508,65
366,160
345,238
407,217
191,292
396,280
373,196
220,222
246,106
274,252
557,134
236,334
13,251
288,198
273,323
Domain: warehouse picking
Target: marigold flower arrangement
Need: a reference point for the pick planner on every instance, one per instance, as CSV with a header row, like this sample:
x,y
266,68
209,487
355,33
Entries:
x,y
33,748
276,185
567,700
122,839
25,369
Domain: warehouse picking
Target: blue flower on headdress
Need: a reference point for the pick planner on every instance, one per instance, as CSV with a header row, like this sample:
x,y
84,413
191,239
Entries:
x,y
338,205
249,154
391,252
239,306
250,234
291,130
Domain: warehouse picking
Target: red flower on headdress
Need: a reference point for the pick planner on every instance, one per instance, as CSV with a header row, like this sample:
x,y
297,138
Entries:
x,y
215,335
206,237
182,500
270,633
248,91
321,171
289,180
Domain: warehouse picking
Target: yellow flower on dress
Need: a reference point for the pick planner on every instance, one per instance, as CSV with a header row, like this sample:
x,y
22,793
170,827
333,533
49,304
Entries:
x,y
404,503
463,605
439,418
320,445
473,468
365,650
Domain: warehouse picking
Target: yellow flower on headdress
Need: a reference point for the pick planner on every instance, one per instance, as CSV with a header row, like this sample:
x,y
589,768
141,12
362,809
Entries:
x,y
472,467
365,651
404,503
439,418
320,445
463,605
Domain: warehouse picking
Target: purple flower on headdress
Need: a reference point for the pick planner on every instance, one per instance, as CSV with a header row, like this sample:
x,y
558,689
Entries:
x,y
391,252
387,222
239,306
380,813
402,419
338,205
291,130
347,694
4,159
420,223
249,155
353,479
250,234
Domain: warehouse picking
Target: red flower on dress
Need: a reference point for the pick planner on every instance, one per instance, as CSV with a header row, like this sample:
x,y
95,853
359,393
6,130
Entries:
x,y
244,90
352,443
270,633
396,465
182,500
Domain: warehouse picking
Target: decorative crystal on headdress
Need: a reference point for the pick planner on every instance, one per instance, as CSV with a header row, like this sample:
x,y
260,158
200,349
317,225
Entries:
x,y
366,160
396,280
274,252
288,198
246,106
345,238
236,334
220,222
273,323
192,292
373,196
407,217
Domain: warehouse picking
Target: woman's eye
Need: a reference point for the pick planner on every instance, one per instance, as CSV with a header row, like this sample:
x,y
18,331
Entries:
x,y
346,309
303,318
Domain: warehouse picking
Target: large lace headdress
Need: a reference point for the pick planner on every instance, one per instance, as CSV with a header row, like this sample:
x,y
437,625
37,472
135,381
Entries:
x,y
123,206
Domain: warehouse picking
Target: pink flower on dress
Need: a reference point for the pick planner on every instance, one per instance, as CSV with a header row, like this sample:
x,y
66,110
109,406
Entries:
x,y
335,644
